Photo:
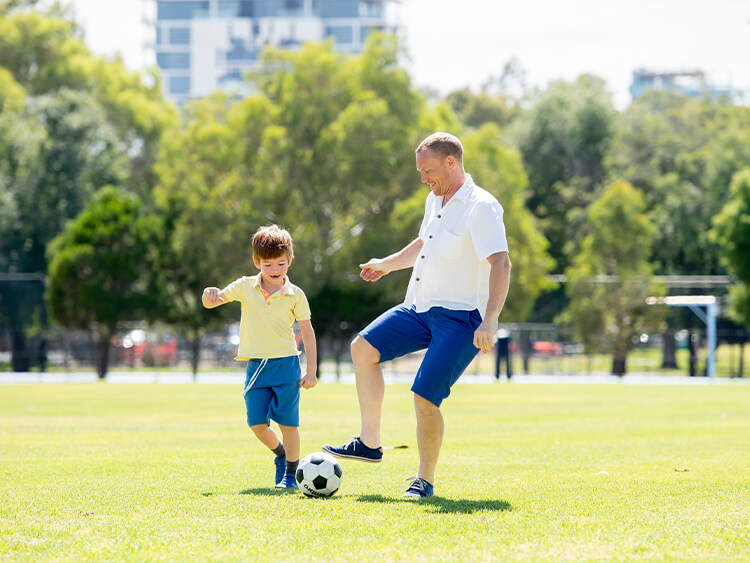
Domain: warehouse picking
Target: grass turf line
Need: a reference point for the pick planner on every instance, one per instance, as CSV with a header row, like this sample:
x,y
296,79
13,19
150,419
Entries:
x,y
170,472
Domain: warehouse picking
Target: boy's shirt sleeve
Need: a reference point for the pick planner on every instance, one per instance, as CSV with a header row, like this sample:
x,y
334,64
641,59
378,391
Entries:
x,y
302,307
234,291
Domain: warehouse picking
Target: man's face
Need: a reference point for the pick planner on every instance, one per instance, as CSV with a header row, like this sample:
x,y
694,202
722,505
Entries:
x,y
435,171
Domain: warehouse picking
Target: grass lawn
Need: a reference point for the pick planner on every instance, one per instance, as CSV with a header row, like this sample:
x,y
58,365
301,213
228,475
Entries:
x,y
527,472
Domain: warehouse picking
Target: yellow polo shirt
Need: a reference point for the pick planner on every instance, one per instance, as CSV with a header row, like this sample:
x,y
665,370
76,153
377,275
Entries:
x,y
266,322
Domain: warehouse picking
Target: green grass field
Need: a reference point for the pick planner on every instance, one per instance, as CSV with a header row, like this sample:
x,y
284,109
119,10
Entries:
x,y
170,472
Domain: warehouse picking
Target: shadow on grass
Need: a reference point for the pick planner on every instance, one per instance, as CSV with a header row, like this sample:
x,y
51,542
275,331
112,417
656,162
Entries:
x,y
443,505
261,491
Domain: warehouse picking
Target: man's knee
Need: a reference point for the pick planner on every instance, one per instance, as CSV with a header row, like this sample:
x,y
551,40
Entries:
x,y
425,407
364,351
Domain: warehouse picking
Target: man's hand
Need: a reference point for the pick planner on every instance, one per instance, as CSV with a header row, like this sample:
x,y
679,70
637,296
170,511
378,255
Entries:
x,y
373,270
308,381
485,334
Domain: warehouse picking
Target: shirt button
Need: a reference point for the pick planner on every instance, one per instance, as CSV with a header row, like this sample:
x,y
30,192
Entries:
x,y
439,216
422,257
417,279
430,236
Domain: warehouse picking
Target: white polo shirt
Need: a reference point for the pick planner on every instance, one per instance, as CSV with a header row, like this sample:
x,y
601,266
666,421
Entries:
x,y
452,270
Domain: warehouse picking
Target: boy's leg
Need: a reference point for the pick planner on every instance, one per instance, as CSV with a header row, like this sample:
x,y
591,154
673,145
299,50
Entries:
x,y
257,401
291,439
284,410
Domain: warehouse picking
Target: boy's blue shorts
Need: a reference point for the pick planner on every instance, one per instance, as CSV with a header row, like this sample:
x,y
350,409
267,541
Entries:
x,y
448,336
272,391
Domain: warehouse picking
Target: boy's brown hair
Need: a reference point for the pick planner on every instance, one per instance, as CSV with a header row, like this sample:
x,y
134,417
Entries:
x,y
271,242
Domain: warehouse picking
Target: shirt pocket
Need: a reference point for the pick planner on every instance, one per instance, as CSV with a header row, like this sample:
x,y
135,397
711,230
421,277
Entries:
x,y
449,245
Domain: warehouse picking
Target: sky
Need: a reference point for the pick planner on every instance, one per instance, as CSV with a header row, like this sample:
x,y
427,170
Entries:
x,y
456,44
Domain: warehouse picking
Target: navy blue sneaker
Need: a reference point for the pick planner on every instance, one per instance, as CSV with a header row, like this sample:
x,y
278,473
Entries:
x,y
287,482
355,449
280,468
419,488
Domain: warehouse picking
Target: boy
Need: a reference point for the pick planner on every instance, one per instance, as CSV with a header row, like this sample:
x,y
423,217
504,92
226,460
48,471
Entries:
x,y
270,305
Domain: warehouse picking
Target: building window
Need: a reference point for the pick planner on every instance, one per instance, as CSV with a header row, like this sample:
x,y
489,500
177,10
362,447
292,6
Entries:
x,y
340,34
339,8
240,52
179,36
371,10
158,35
180,10
229,8
179,85
173,60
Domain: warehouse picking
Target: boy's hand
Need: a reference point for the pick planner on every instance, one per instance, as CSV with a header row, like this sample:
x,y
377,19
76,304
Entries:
x,y
308,381
212,297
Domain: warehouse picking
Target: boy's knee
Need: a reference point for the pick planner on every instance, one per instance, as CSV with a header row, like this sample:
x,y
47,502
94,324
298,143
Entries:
x,y
259,429
364,351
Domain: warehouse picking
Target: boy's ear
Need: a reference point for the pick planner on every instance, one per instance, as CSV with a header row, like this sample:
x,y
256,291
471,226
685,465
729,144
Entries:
x,y
255,261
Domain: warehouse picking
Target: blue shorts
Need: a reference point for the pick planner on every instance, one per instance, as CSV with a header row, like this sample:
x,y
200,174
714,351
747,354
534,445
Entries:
x,y
272,391
448,336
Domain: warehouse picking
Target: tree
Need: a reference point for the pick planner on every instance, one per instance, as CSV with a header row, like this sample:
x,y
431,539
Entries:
x,y
103,269
681,153
610,277
732,233
206,234
69,124
564,138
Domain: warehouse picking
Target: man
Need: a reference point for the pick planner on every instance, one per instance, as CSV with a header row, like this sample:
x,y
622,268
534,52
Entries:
x,y
458,286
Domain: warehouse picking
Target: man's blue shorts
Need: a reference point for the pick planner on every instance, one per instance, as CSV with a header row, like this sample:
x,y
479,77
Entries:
x,y
448,336
272,391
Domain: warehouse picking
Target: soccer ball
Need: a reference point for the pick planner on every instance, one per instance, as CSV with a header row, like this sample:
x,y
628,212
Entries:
x,y
318,475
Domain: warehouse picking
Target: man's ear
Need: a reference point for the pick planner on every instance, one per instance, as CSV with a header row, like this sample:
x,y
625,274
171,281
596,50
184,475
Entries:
x,y
451,161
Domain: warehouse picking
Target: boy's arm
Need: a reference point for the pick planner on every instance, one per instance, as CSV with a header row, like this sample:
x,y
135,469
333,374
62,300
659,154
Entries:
x,y
311,352
213,297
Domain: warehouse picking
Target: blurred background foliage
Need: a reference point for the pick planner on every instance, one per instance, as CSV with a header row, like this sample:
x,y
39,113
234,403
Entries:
x,y
95,164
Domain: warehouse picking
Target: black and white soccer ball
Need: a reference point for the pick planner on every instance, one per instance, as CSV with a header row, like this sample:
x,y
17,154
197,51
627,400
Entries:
x,y
319,475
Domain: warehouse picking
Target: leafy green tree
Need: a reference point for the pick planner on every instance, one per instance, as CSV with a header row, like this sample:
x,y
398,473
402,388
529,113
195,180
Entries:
x,y
732,233
477,109
70,123
103,269
207,226
610,277
681,153
564,138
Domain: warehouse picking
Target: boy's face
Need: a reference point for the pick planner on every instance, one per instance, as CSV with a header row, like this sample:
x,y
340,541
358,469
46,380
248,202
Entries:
x,y
272,270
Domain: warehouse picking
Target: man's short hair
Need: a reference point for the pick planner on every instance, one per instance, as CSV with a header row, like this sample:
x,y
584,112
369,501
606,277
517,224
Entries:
x,y
443,144
271,242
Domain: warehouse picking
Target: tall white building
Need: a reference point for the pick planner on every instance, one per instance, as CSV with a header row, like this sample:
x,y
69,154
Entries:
x,y
207,45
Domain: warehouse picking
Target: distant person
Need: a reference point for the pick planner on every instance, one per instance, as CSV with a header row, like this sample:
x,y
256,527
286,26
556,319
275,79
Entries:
x,y
458,286
502,351
270,305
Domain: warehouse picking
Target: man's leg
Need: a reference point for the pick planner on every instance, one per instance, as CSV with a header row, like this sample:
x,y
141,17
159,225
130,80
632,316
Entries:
x,y
430,428
370,390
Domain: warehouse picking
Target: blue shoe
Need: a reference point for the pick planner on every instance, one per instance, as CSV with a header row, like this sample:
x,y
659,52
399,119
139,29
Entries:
x,y
419,488
355,449
280,468
287,482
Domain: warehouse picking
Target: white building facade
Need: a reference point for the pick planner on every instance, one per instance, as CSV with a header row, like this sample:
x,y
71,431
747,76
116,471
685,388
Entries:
x,y
203,46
